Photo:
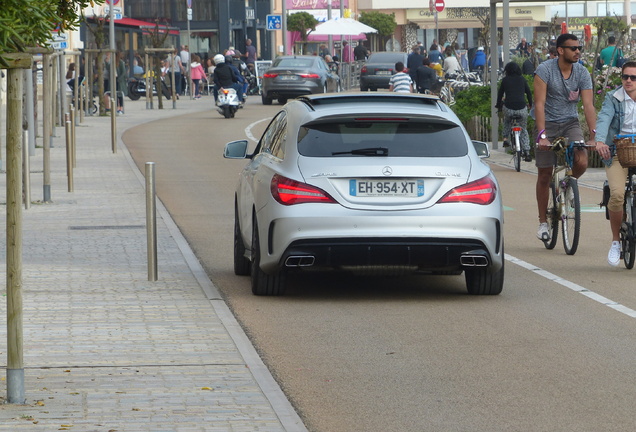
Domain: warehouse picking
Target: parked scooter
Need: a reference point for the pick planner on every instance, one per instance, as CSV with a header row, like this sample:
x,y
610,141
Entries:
x,y
228,102
137,88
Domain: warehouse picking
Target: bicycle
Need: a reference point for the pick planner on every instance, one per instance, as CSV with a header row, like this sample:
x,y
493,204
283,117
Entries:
x,y
628,226
515,140
564,203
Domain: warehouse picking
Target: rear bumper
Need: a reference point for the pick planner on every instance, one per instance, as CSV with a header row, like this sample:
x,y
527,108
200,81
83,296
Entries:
x,y
419,254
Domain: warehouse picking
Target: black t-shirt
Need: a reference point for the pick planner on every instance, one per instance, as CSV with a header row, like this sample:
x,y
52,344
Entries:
x,y
360,52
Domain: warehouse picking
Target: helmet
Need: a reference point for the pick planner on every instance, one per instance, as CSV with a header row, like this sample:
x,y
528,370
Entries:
x,y
480,49
218,59
229,59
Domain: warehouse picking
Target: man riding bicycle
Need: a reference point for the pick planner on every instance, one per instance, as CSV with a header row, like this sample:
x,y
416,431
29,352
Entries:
x,y
617,116
558,85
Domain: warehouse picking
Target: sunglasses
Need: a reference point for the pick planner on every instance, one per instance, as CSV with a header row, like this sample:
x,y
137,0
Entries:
x,y
573,48
629,77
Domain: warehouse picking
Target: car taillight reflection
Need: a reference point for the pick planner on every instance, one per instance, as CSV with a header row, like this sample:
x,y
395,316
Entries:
x,y
482,191
289,192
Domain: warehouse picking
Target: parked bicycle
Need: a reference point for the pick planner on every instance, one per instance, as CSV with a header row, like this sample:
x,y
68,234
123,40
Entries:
x,y
564,203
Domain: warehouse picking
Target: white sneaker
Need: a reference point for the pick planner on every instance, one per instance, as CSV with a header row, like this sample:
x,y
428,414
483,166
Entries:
x,y
614,254
543,233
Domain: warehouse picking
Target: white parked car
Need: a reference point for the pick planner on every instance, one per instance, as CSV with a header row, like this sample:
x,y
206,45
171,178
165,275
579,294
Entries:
x,y
367,182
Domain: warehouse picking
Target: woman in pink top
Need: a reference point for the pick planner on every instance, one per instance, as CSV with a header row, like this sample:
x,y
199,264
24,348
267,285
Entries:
x,y
197,73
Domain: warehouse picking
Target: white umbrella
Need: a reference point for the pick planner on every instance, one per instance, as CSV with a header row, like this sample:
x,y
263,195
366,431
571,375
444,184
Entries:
x,y
342,26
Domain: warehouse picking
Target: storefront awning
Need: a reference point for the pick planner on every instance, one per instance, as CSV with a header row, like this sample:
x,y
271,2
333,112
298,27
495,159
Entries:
x,y
145,25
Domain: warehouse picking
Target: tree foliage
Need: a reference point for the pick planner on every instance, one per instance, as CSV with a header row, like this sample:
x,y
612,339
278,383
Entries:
x,y
384,23
301,22
29,23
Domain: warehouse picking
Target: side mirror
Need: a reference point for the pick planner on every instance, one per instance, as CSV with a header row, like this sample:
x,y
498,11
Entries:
x,y
236,150
482,149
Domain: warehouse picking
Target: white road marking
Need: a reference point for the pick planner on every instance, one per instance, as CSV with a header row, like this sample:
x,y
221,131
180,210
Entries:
x,y
248,129
574,287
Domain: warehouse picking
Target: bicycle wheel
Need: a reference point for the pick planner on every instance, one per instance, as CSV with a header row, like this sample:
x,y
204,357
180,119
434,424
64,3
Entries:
x,y
571,217
628,232
516,155
552,214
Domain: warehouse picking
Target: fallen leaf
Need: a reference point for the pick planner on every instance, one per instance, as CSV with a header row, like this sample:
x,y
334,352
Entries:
x,y
206,388
136,409
39,403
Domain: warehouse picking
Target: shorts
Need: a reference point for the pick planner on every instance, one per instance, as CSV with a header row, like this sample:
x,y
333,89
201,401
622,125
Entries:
x,y
571,129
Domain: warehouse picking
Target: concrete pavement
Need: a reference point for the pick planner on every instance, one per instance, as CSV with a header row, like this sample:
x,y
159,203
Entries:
x,y
104,348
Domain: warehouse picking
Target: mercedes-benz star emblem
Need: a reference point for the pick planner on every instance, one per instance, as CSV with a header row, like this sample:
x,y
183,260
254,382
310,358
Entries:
x,y
387,171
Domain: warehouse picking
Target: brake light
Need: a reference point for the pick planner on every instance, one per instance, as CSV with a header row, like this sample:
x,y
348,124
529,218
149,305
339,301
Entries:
x,y
516,129
482,191
309,76
225,91
363,70
270,75
289,192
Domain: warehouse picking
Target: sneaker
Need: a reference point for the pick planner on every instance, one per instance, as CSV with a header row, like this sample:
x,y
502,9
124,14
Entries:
x,y
614,255
527,157
506,143
543,233
119,112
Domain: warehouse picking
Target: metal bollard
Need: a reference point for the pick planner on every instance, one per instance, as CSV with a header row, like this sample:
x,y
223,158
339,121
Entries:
x,y
151,221
69,152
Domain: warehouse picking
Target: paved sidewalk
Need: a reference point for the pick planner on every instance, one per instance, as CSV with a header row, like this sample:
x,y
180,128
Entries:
x,y
104,348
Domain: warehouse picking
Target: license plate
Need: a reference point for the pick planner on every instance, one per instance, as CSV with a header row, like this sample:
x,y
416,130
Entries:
x,y
386,188
289,77
383,72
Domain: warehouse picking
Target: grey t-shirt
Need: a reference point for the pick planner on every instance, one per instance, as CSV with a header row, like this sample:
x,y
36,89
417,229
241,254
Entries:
x,y
563,94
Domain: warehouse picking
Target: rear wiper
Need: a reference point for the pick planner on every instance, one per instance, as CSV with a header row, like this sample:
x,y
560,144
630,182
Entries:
x,y
371,151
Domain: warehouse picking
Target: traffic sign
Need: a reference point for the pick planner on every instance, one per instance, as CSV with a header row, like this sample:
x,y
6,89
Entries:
x,y
439,5
59,45
274,22
189,4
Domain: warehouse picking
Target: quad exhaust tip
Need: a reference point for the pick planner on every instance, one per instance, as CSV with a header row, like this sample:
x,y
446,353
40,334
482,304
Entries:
x,y
300,261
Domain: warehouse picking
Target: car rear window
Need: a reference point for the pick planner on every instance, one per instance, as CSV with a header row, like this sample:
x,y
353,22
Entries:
x,y
294,63
386,57
390,138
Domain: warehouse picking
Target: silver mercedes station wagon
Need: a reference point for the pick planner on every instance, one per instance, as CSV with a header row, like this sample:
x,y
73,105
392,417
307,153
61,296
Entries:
x,y
374,183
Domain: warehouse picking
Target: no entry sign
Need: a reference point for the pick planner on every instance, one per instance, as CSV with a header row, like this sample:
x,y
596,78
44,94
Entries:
x,y
439,5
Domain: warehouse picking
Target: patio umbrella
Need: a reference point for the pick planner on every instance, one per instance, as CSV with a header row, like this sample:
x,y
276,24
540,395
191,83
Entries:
x,y
342,26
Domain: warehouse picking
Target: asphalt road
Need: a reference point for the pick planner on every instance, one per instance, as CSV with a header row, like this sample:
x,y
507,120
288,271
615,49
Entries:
x,y
555,351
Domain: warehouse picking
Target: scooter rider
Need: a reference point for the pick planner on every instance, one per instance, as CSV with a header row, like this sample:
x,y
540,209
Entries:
x,y
224,77
239,76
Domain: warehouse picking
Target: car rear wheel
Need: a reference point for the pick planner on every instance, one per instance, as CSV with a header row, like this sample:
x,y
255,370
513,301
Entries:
x,y
262,283
483,281
266,100
282,101
241,264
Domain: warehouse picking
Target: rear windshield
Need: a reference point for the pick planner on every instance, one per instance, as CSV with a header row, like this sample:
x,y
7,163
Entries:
x,y
386,58
396,139
294,63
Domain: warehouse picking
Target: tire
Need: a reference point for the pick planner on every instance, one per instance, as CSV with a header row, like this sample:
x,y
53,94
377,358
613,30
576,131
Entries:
x,y
516,151
264,284
483,281
571,219
553,218
282,101
227,111
266,100
628,236
133,92
241,263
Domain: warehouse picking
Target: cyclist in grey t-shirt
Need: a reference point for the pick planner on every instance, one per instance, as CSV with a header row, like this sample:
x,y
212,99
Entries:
x,y
558,85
